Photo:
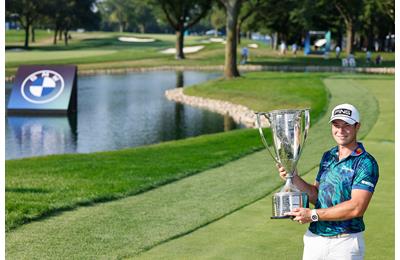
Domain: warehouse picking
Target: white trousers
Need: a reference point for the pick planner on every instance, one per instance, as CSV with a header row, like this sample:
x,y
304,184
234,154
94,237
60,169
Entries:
x,y
351,247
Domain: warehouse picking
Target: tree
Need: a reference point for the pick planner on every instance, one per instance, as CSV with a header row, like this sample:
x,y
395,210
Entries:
x,y
181,15
217,18
27,11
232,8
68,14
248,9
349,11
377,22
118,11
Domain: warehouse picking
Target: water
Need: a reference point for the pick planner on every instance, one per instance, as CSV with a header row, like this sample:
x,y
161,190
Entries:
x,y
115,112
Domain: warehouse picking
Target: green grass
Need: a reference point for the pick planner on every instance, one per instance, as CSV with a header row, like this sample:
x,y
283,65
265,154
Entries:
x,y
114,54
37,187
268,91
249,233
85,178
17,37
213,214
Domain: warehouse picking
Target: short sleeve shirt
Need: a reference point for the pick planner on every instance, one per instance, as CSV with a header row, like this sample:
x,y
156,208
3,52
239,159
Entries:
x,y
336,181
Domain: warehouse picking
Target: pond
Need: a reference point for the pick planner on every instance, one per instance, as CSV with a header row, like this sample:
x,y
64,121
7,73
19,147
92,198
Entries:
x,y
115,112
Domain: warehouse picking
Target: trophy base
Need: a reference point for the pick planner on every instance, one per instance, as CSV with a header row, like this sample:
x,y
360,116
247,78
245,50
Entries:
x,y
282,217
283,202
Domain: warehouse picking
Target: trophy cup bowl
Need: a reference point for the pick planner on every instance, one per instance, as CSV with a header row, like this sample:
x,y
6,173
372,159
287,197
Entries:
x,y
289,131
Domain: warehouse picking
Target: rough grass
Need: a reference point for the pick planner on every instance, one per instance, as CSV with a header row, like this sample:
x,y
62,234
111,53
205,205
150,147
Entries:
x,y
268,91
37,187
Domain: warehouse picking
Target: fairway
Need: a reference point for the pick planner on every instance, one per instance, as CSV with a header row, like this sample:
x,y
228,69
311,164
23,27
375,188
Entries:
x,y
223,213
102,50
43,56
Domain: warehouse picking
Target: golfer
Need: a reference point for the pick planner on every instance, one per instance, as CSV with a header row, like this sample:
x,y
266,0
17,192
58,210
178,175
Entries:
x,y
341,193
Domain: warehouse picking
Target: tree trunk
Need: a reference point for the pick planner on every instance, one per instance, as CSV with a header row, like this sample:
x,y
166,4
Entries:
x,y
179,43
349,37
27,27
232,13
238,33
142,28
275,41
121,27
66,37
60,34
370,41
33,34
55,36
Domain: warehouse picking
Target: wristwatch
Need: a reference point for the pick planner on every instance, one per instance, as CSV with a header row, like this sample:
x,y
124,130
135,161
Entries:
x,y
314,215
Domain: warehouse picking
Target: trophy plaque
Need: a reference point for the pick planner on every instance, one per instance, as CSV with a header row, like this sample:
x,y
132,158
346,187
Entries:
x,y
289,131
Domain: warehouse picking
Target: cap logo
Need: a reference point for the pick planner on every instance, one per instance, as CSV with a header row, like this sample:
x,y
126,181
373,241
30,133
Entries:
x,y
342,111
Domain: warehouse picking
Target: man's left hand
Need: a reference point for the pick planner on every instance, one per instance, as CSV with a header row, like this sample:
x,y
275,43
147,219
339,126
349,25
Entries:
x,y
301,215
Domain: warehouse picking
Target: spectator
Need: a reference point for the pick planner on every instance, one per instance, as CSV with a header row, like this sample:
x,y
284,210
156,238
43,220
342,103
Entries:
x,y
283,48
245,55
352,61
376,45
337,50
378,60
368,57
294,49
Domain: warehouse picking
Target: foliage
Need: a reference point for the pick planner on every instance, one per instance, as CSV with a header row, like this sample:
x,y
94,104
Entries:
x,y
181,15
217,18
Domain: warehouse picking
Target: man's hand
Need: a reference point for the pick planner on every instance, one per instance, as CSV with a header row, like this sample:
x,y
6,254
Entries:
x,y
282,172
301,215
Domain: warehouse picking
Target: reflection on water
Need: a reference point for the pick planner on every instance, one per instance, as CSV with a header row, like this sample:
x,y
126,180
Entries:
x,y
115,112
41,135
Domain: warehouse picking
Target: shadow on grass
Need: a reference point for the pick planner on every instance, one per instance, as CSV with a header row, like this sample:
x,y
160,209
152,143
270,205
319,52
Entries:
x,y
315,61
27,190
95,43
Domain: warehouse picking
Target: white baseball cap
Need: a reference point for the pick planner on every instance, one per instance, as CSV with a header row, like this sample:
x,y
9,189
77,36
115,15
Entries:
x,y
347,113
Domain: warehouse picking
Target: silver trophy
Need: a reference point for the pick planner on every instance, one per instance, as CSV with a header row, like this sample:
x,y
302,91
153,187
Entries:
x,y
289,131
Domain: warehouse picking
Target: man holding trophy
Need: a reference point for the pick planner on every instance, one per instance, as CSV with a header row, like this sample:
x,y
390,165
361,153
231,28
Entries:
x,y
341,193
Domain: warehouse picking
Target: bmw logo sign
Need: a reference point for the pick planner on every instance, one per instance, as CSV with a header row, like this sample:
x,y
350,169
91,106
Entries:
x,y
42,86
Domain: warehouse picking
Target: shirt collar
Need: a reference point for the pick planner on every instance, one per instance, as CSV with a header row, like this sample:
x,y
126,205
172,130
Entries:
x,y
357,152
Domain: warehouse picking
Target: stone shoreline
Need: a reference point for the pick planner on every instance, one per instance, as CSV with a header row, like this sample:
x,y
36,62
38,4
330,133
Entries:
x,y
287,68
240,114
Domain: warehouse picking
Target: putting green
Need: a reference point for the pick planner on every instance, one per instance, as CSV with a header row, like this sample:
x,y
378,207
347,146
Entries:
x,y
220,213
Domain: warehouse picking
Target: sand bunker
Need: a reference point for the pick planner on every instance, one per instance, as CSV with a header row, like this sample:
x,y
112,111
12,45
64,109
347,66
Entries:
x,y
190,49
134,39
253,45
216,40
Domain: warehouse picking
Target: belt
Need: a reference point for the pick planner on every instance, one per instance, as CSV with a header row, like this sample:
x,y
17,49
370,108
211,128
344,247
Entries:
x,y
339,235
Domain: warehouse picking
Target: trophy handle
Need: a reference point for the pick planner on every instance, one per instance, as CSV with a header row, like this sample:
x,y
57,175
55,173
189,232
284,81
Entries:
x,y
306,127
263,139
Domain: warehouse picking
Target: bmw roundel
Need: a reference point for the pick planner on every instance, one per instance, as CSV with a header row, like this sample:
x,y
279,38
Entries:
x,y
42,86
